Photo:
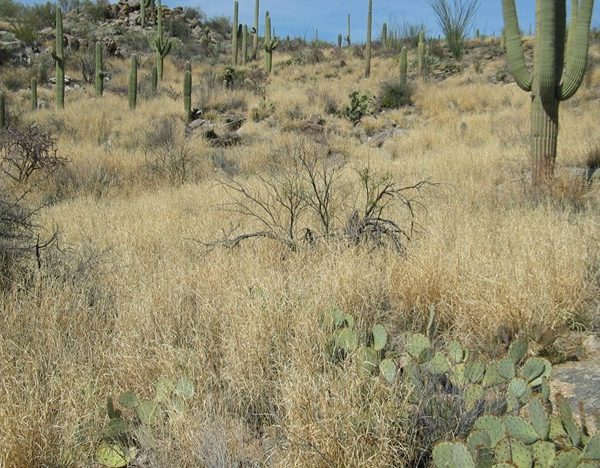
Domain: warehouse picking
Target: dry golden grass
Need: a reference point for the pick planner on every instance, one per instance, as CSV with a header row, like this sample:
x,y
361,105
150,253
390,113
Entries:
x,y
245,324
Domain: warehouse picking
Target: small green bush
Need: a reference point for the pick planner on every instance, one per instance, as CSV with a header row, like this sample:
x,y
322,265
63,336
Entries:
x,y
393,94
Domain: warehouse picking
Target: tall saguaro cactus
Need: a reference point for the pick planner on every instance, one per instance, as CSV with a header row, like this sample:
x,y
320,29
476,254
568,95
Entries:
x,y
2,111
34,100
255,38
384,35
161,45
143,5
271,44
99,73
557,73
348,36
368,51
403,65
421,54
187,91
234,33
339,42
133,82
244,44
59,58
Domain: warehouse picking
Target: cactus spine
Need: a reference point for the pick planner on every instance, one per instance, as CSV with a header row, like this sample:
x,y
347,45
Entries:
x,y
187,91
551,81
403,65
162,46
244,44
368,52
2,111
59,58
133,82
33,94
348,37
143,5
234,34
99,74
271,44
421,54
339,42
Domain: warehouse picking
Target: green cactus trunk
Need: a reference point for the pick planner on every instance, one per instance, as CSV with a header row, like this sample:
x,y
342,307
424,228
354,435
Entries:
x,y
154,80
2,111
368,51
34,101
143,5
99,74
270,44
503,41
557,73
187,93
133,83
348,37
59,58
339,42
162,46
255,37
421,54
244,45
234,34
403,65
477,34
384,35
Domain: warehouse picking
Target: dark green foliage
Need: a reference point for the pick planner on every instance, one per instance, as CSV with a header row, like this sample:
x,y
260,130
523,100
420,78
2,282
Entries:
x,y
393,94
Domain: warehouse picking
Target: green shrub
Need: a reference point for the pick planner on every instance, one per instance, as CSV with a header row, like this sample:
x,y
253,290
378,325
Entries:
x,y
393,94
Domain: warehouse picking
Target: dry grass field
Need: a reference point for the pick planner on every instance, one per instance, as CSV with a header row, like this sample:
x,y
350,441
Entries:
x,y
130,293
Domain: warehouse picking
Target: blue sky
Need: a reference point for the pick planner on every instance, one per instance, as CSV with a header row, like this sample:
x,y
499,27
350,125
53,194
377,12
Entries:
x,y
302,17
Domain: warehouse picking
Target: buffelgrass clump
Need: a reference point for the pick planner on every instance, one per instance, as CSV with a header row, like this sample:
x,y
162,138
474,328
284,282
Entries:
x,y
394,94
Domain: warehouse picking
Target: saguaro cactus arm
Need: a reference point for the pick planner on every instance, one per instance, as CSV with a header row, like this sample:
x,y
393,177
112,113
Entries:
x,y
577,49
514,50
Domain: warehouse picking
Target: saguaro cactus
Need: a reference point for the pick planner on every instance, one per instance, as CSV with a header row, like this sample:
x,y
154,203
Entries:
x,y
234,34
403,65
33,94
384,35
255,37
2,111
133,82
557,73
143,5
154,79
99,74
339,42
244,44
368,51
161,45
348,36
187,91
421,54
271,44
59,57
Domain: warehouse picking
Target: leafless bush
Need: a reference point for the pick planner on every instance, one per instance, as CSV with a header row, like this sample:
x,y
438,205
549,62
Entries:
x,y
24,151
309,201
173,162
